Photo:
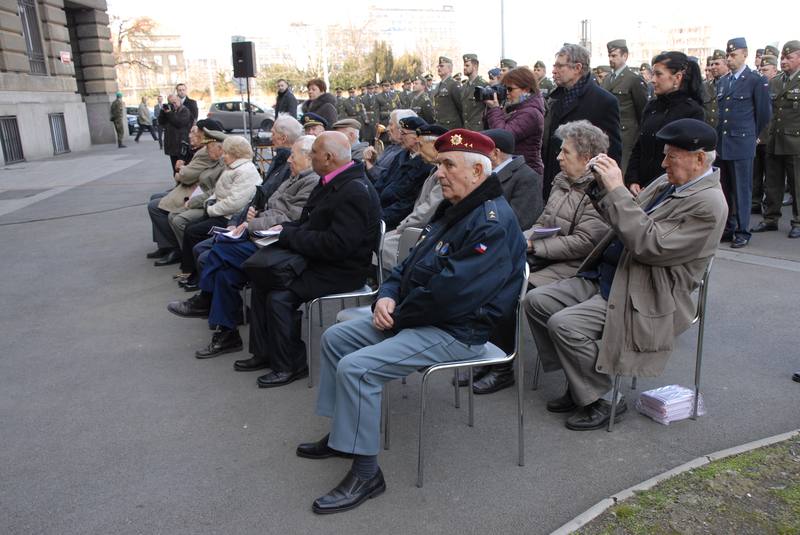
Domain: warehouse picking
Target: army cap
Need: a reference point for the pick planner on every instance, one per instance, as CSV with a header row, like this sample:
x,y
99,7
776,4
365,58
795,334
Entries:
x,y
646,66
508,63
346,123
339,89
431,130
214,135
735,44
768,59
539,64
718,54
470,57
603,68
351,88
445,59
709,61
428,76
689,134
412,123
791,46
386,82
615,44
463,140
312,119
759,52
494,73
770,50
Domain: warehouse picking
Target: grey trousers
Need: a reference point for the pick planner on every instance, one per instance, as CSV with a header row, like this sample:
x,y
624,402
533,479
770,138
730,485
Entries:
x,y
357,359
566,320
180,220
162,233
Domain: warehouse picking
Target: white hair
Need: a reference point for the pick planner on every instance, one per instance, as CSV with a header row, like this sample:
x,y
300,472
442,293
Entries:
x,y
304,143
341,152
472,158
288,126
238,147
398,114
428,139
711,155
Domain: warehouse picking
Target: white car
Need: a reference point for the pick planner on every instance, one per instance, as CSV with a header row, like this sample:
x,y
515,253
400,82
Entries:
x,y
229,114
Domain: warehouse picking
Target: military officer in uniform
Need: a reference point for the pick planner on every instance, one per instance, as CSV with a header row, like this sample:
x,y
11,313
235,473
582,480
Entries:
x,y
447,96
631,92
768,67
710,89
506,65
757,59
118,118
352,106
601,72
545,84
370,106
405,95
340,103
783,142
429,87
471,109
744,110
770,50
420,101
494,76
387,100
646,72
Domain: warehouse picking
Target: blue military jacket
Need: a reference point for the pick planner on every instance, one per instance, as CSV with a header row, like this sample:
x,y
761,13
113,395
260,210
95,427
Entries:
x,y
744,110
465,273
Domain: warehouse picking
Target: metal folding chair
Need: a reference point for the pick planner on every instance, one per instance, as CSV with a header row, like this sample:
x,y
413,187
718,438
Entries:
x,y
366,291
700,316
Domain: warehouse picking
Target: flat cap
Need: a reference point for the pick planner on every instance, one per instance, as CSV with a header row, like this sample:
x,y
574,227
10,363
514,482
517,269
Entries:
x,y
769,59
539,64
445,59
508,63
431,130
215,135
346,123
771,50
791,46
718,54
412,123
463,140
689,134
470,57
615,44
312,119
736,43
503,139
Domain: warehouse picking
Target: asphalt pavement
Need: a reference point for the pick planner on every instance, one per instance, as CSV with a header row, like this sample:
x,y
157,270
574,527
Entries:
x,y
108,424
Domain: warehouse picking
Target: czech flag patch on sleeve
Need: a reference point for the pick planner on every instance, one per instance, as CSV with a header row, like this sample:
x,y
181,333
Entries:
x,y
480,248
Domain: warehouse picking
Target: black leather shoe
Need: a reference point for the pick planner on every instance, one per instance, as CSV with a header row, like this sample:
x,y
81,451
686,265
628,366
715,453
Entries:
x,y
196,306
796,377
172,257
320,450
349,494
739,242
274,378
250,365
498,378
595,415
794,233
158,253
221,342
755,210
763,226
563,404
726,236
477,373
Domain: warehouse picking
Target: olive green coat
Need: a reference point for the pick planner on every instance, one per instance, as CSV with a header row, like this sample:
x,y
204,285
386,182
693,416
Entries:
x,y
631,92
471,109
447,104
784,128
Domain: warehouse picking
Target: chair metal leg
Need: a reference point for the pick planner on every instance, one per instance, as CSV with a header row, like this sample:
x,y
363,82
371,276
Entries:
x,y
520,407
633,382
614,394
537,367
309,342
456,390
422,395
470,400
698,363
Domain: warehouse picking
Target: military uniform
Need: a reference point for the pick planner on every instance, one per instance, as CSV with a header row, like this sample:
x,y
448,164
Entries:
x,y
370,107
406,96
631,92
387,101
710,100
340,113
472,110
744,110
545,86
760,161
447,101
421,105
783,144
118,118
353,109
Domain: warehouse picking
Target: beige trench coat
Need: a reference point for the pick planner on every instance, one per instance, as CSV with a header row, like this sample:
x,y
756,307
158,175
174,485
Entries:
x,y
663,261
202,171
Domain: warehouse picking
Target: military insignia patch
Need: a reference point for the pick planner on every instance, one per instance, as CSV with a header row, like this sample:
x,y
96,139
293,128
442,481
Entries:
x,y
456,140
480,248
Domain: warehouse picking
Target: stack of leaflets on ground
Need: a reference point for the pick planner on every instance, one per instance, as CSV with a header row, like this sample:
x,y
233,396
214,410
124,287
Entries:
x,y
669,403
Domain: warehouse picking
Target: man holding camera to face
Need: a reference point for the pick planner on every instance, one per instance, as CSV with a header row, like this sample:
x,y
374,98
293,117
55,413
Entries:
x,y
632,295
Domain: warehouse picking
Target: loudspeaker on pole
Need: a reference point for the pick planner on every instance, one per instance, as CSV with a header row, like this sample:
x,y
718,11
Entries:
x,y
244,59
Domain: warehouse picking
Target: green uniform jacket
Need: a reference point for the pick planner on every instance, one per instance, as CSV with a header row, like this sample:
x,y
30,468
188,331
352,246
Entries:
x,y
370,105
340,113
353,109
118,112
545,86
784,128
447,104
405,99
631,92
710,103
471,109
387,102
422,106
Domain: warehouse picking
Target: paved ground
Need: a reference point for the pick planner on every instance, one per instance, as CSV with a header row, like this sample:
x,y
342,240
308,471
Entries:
x,y
108,423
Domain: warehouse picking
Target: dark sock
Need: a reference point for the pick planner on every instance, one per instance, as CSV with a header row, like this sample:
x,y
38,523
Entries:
x,y
365,466
204,298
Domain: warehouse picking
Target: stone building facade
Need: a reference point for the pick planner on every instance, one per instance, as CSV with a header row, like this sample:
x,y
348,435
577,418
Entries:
x,y
57,77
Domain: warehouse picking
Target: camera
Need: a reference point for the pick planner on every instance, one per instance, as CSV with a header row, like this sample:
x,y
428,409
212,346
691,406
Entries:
x,y
166,107
484,93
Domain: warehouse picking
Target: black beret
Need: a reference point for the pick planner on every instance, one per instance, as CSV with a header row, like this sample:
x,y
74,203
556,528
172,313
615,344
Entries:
x,y
431,130
210,124
503,139
412,123
689,134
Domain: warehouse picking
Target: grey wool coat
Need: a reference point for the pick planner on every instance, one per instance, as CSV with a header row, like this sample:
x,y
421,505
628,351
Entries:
x,y
287,203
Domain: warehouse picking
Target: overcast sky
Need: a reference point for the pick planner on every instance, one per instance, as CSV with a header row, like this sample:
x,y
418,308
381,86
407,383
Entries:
x,y
532,29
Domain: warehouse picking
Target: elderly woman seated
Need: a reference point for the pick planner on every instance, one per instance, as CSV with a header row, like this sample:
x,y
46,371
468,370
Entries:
x,y
233,191
566,231
222,277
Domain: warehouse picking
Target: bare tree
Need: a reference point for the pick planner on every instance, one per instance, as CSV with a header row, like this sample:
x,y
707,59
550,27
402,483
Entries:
x,y
130,38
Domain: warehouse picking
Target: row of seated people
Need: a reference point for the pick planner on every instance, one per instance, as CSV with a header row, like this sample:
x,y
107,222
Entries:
x,y
591,249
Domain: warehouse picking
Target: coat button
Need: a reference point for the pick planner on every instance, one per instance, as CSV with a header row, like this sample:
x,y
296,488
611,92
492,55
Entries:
x,y
724,132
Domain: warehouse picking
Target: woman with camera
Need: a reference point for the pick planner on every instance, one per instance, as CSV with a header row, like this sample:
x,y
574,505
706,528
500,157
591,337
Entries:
x,y
679,95
522,115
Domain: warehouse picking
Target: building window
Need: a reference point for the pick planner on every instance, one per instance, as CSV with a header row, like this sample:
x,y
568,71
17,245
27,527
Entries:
x,y
58,131
157,60
32,35
10,140
173,60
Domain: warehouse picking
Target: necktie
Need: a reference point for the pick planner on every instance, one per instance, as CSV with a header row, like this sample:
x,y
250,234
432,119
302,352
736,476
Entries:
x,y
658,199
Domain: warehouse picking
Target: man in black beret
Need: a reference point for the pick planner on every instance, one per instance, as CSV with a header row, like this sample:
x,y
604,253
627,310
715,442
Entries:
x,y
631,298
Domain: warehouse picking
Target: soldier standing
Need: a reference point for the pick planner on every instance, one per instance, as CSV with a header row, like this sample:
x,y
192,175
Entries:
x,y
405,95
506,65
744,110
118,115
768,69
387,100
370,107
646,72
716,63
783,142
631,92
352,106
447,96
420,101
429,87
545,84
339,104
471,109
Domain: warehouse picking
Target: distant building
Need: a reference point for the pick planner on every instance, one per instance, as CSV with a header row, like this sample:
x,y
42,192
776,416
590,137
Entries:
x,y
156,66
57,77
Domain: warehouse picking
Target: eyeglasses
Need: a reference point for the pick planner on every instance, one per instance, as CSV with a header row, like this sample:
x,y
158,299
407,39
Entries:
x,y
511,88
562,65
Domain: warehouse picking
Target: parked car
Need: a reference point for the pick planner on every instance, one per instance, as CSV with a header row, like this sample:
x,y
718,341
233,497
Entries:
x,y
132,113
229,113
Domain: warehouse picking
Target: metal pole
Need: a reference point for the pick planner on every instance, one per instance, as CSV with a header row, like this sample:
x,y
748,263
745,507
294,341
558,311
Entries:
x,y
502,29
249,130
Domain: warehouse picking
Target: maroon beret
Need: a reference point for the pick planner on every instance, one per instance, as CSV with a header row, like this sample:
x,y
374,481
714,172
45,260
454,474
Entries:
x,y
461,139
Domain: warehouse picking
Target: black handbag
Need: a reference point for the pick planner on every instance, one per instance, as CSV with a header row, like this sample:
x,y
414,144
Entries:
x,y
274,268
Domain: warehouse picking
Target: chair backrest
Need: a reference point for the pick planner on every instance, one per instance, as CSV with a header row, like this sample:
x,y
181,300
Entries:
x,y
379,252
702,294
408,239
